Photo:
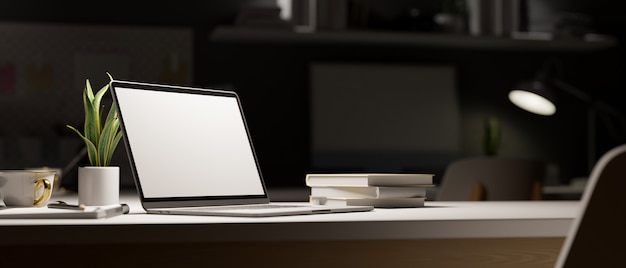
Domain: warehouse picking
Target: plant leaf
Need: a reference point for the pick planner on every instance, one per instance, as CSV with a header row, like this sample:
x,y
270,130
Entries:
x,y
117,139
91,148
97,102
101,140
97,99
110,130
89,91
92,125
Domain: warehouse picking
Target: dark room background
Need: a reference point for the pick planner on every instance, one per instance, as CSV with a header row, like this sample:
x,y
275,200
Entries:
x,y
390,88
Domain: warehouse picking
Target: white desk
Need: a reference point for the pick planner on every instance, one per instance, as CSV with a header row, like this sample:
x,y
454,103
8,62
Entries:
x,y
442,233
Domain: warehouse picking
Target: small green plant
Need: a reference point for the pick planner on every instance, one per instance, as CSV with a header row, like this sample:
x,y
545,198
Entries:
x,y
100,139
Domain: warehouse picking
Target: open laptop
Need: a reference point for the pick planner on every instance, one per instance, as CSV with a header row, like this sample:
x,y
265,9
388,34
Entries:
x,y
191,153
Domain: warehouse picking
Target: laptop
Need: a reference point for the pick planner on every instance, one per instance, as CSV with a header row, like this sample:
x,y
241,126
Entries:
x,y
191,153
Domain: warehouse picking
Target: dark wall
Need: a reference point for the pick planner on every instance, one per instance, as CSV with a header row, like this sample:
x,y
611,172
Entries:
x,y
202,16
273,78
266,73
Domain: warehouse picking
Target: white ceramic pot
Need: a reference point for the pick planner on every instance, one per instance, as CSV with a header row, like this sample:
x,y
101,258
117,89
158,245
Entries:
x,y
98,186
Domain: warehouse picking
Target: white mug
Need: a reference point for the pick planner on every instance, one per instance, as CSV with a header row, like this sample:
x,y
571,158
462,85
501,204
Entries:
x,y
57,178
24,188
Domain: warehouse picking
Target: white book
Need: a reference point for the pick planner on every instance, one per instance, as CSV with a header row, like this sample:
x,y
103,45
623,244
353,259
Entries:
x,y
400,202
368,179
88,212
370,191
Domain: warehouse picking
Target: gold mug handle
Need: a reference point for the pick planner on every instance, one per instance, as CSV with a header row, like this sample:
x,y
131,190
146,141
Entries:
x,y
47,191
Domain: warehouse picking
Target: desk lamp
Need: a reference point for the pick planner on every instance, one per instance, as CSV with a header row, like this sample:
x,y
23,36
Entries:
x,y
538,96
533,96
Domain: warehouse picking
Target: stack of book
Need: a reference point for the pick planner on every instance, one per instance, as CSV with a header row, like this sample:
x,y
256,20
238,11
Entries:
x,y
378,189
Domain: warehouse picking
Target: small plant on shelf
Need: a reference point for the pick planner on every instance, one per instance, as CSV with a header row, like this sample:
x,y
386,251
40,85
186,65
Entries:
x,y
101,139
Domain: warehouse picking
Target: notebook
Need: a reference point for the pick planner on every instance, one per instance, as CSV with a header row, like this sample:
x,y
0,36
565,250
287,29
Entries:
x,y
191,153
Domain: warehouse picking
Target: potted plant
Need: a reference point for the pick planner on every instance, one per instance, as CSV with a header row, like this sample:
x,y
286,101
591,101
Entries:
x,y
98,184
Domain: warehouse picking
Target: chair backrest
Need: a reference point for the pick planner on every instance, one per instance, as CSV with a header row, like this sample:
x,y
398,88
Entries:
x,y
598,234
492,178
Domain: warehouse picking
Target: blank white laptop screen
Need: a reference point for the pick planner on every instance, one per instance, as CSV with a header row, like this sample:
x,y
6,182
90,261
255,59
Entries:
x,y
210,137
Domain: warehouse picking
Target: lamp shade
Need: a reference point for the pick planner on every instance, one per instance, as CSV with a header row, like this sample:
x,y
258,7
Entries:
x,y
533,96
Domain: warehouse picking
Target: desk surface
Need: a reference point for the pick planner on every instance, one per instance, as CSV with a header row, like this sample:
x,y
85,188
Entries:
x,y
514,219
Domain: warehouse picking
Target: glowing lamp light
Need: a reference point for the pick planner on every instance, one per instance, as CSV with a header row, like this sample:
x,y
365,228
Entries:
x,y
532,102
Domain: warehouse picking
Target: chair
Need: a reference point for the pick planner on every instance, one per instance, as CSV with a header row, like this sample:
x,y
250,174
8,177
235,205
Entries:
x,y
492,178
598,233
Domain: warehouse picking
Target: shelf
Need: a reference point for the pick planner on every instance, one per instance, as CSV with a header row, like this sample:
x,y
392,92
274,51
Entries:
x,y
418,40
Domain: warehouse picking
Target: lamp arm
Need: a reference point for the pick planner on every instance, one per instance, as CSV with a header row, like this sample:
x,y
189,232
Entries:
x,y
612,126
571,90
594,104
596,109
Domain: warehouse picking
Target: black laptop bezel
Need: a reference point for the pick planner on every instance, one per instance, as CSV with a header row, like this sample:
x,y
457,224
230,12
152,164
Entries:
x,y
169,202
